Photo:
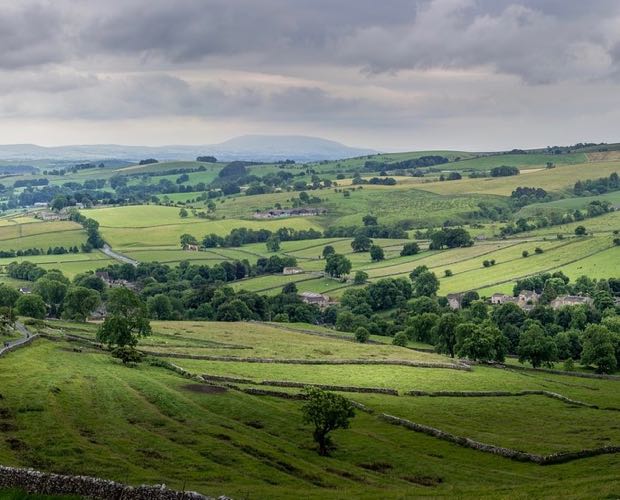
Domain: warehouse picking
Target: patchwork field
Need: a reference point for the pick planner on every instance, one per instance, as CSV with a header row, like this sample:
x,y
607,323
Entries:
x,y
71,408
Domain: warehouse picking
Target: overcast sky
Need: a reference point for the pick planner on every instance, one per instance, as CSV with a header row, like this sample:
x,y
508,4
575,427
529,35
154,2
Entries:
x,y
392,74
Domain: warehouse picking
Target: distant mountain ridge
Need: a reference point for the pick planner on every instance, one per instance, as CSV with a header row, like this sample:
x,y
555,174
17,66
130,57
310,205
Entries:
x,y
249,147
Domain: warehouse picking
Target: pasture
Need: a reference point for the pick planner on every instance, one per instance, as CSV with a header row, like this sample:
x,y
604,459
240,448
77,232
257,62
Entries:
x,y
79,411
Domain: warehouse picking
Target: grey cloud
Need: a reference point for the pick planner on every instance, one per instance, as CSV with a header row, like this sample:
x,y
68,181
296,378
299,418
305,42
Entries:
x,y
30,35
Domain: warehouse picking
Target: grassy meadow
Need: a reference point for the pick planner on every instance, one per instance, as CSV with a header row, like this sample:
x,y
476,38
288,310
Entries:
x,y
71,408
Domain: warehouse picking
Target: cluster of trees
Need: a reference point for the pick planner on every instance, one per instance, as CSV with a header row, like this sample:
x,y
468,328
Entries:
x,y
207,159
30,182
53,295
482,332
526,195
421,162
243,236
382,181
450,238
504,171
601,185
38,251
593,209
94,238
452,176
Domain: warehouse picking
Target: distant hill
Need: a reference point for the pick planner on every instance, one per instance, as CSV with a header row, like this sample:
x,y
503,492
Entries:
x,y
249,147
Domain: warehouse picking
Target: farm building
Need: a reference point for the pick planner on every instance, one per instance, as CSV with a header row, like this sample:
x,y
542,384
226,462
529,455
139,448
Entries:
x,y
290,212
570,300
292,270
502,298
25,290
525,300
191,248
314,298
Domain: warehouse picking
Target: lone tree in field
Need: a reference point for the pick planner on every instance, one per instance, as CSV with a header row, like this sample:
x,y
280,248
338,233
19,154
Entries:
x,y
376,253
273,244
361,243
127,320
183,213
327,412
337,265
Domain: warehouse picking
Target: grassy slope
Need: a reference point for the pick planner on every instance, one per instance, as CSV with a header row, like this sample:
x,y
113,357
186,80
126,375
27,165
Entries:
x,y
83,413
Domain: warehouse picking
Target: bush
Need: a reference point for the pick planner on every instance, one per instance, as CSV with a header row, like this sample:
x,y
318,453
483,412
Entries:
x,y
400,339
580,231
538,250
525,253
447,273
410,249
128,355
362,335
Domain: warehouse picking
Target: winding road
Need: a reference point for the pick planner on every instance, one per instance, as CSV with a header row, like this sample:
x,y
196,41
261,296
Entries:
x,y
9,345
117,256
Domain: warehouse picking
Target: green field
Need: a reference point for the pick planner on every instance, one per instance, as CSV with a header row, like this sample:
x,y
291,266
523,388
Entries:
x,y
78,411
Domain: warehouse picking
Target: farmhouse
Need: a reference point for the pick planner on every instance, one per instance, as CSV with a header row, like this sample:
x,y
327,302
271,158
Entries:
x,y
290,212
191,248
50,216
314,298
525,300
292,270
502,298
570,300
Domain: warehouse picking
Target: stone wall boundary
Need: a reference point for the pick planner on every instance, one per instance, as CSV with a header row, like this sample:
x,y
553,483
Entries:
x,y
44,483
521,456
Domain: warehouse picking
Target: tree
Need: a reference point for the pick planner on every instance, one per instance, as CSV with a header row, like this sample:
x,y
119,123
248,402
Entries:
x,y
445,333
421,327
273,244
188,239
337,265
362,335
160,307
328,250
599,348
369,220
361,243
360,277
327,412
425,284
376,253
580,231
525,253
8,296
52,291
411,248
31,305
536,347
183,213
80,302
127,320
480,342
290,288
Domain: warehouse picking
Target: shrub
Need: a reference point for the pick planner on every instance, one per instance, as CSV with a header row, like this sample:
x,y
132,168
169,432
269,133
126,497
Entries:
x,y
525,253
486,263
400,339
362,335
580,231
448,273
538,250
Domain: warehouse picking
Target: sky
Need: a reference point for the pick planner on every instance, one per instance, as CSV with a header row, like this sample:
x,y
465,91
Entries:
x,y
389,75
